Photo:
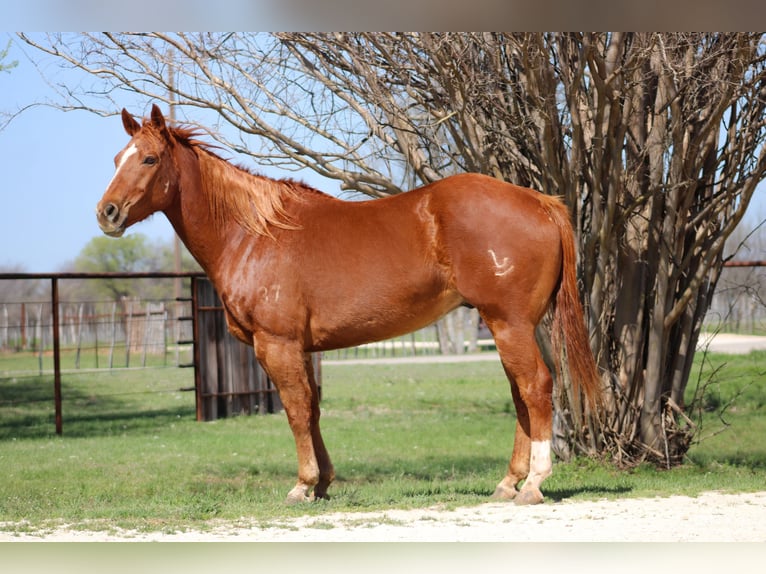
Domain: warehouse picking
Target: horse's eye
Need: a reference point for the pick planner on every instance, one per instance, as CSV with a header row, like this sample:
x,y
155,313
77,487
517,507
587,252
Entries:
x,y
150,160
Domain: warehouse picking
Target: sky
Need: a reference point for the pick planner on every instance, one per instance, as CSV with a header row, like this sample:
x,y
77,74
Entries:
x,y
55,167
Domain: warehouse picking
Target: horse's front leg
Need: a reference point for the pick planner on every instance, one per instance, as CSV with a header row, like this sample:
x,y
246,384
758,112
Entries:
x,y
326,470
284,361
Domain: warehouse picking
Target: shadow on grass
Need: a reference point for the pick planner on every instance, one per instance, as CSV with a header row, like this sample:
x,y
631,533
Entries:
x,y
560,494
459,476
27,411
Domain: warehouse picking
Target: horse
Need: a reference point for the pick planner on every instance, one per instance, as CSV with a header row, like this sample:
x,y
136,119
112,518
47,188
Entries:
x,y
300,271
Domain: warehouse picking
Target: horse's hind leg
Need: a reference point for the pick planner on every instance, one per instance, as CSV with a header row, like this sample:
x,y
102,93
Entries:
x,y
518,467
532,386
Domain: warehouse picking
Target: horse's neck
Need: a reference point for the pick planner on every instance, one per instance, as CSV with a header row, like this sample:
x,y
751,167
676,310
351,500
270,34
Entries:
x,y
191,217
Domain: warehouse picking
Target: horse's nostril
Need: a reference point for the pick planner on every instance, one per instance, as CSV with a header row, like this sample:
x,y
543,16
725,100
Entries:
x,y
111,212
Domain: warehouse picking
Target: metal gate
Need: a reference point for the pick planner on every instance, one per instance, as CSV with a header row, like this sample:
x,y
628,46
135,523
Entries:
x,y
228,379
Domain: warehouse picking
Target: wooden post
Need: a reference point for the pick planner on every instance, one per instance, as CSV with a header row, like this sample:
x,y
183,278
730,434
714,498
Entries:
x,y
114,334
23,327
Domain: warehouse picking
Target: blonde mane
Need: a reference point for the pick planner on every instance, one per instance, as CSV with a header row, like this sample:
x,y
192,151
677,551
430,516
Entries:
x,y
255,202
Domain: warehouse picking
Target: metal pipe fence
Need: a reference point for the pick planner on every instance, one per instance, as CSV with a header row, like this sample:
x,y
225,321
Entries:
x,y
739,302
100,333
70,335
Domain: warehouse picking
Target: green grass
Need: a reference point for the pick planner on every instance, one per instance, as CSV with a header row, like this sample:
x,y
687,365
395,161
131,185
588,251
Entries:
x,y
401,436
27,362
733,423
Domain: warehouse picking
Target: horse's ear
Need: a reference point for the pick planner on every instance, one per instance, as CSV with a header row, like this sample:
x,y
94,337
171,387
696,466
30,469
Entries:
x,y
159,120
129,123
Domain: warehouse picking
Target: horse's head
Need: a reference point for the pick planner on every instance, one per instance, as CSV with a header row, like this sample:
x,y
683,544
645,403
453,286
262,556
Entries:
x,y
145,176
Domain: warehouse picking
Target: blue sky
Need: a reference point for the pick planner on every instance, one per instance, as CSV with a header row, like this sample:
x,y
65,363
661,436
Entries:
x,y
55,166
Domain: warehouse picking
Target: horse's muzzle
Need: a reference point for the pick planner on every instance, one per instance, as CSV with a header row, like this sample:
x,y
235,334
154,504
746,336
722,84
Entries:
x,y
111,219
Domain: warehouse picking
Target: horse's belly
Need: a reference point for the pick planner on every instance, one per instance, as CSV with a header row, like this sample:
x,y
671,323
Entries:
x,y
356,324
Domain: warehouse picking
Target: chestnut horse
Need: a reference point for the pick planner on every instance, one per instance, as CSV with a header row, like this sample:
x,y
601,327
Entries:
x,y
299,271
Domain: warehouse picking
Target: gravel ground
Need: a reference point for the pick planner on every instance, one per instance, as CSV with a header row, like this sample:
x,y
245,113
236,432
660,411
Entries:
x,y
710,517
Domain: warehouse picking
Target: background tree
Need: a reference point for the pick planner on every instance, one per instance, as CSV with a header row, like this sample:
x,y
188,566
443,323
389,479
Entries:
x,y
132,253
103,255
656,141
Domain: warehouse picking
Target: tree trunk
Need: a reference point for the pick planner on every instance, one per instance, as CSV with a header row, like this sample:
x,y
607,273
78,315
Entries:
x,y
458,331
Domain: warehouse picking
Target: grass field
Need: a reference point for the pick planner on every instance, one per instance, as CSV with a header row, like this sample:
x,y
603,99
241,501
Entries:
x,y
400,435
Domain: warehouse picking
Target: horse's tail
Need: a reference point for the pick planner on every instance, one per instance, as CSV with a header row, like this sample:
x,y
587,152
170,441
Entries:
x,y
568,316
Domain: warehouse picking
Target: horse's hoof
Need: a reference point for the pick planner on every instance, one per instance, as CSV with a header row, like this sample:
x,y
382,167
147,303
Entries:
x,y
298,496
504,493
527,497
293,500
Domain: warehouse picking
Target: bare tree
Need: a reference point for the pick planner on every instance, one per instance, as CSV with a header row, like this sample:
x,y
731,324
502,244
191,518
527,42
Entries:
x,y
655,140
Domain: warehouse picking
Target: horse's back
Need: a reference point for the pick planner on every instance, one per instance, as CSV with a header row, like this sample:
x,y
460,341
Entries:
x,y
376,269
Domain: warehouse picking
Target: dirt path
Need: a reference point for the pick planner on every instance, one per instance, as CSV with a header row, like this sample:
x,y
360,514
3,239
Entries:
x,y
711,517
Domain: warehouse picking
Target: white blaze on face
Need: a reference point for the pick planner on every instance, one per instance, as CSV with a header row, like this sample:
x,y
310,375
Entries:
x,y
130,151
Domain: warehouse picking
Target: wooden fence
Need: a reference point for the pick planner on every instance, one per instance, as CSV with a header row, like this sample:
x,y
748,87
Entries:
x,y
228,379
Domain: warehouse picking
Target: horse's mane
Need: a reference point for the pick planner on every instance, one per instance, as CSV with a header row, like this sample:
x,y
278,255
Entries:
x,y
256,202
